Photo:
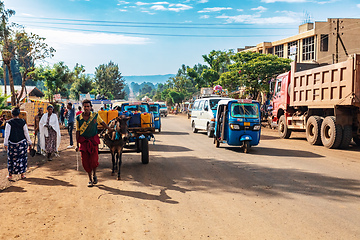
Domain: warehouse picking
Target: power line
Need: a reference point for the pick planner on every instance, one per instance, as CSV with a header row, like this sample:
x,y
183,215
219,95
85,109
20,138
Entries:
x,y
149,23
157,34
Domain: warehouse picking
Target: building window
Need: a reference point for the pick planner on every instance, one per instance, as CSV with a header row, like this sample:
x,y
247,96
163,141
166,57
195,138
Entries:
x,y
292,49
324,42
270,50
279,50
308,49
260,51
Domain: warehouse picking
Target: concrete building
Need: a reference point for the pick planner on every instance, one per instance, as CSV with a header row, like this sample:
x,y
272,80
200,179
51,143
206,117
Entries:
x,y
320,42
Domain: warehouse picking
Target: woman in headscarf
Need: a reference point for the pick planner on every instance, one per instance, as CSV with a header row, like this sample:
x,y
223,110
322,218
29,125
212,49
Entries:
x,y
49,133
16,142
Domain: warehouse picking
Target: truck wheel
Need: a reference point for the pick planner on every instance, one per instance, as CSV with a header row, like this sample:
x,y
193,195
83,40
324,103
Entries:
x,y
194,130
246,147
331,133
210,133
346,137
144,151
284,131
313,127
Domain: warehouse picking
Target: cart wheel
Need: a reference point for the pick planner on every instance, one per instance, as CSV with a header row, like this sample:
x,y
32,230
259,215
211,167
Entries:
x,y
144,151
246,147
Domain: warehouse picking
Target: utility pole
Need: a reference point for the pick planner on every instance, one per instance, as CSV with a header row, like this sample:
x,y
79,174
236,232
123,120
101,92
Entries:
x,y
338,37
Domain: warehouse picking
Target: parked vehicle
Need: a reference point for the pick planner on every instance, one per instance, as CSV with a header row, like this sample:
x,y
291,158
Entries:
x,y
203,114
323,101
163,109
155,110
238,123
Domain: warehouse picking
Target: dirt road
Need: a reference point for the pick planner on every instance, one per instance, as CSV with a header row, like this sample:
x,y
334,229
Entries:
x,y
283,189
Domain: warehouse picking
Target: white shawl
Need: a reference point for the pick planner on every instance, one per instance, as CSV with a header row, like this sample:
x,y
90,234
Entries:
x,y
54,123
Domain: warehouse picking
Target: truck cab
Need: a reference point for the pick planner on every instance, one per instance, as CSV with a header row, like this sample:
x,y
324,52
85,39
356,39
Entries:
x,y
281,98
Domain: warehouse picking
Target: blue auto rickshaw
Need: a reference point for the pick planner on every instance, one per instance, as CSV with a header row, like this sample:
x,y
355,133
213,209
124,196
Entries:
x,y
155,110
238,123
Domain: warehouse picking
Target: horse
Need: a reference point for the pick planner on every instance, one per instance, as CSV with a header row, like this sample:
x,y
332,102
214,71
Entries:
x,y
116,140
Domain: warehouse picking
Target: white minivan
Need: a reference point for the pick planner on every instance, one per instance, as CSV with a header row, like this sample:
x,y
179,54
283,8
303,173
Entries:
x,y
203,114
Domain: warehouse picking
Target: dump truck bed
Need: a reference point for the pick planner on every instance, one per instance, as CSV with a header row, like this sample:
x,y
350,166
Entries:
x,y
327,86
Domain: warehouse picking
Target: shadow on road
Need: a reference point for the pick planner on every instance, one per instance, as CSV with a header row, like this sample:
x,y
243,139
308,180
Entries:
x,y
162,197
13,189
277,152
197,174
168,148
49,181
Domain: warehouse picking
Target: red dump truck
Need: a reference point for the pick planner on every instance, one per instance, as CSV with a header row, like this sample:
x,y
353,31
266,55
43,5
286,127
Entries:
x,y
323,101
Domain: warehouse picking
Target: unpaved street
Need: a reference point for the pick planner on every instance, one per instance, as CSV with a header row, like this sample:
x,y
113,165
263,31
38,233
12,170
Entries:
x,y
282,189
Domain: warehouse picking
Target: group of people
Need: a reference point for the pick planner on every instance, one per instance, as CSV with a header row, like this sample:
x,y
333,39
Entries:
x,y
47,130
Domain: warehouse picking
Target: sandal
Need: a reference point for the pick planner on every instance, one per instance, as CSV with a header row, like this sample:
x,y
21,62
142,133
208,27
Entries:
x,y
9,177
90,184
23,176
95,180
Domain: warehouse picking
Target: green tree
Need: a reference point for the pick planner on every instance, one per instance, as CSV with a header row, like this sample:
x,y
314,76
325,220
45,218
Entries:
x,y
253,71
30,48
219,60
7,47
176,97
56,79
109,82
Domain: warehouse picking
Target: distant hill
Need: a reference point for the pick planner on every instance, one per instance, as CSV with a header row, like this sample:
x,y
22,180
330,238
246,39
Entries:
x,y
154,79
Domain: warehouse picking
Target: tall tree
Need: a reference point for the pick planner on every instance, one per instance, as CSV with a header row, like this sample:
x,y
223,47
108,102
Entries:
x,y
7,46
30,48
82,83
109,82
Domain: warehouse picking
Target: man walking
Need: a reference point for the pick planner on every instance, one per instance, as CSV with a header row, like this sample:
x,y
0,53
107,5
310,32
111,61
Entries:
x,y
87,137
70,121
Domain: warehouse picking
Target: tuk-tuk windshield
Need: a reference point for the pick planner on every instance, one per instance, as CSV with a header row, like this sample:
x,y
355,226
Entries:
x,y
139,108
214,103
248,110
154,108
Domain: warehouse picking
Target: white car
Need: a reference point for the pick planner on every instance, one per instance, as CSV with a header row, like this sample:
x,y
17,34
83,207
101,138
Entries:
x,y
203,114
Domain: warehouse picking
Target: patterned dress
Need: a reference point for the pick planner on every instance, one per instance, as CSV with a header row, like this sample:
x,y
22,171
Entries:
x,y
17,157
50,141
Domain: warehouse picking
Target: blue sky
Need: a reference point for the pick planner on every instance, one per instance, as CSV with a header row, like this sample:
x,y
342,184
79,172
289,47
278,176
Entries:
x,y
157,37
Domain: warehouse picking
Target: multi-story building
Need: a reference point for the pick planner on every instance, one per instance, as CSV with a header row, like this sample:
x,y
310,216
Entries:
x,y
320,42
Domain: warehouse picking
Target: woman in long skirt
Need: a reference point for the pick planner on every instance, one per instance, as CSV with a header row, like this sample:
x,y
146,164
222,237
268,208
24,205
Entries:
x,y
49,133
16,142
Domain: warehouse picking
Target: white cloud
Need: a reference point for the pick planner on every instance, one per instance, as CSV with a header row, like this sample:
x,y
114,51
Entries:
x,y
122,3
204,16
260,9
289,1
287,17
148,12
240,10
123,10
56,38
171,7
358,5
203,1
214,9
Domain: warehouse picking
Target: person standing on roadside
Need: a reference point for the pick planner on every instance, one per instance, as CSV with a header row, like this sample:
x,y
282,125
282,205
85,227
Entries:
x,y
79,111
62,114
37,130
87,137
70,122
50,136
16,142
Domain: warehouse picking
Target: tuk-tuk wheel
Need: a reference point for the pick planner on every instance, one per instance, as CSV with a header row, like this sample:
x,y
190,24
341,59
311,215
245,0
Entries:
x,y
246,146
159,129
144,151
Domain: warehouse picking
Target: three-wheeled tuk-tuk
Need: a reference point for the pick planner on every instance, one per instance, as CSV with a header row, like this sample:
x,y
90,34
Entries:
x,y
238,123
155,110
